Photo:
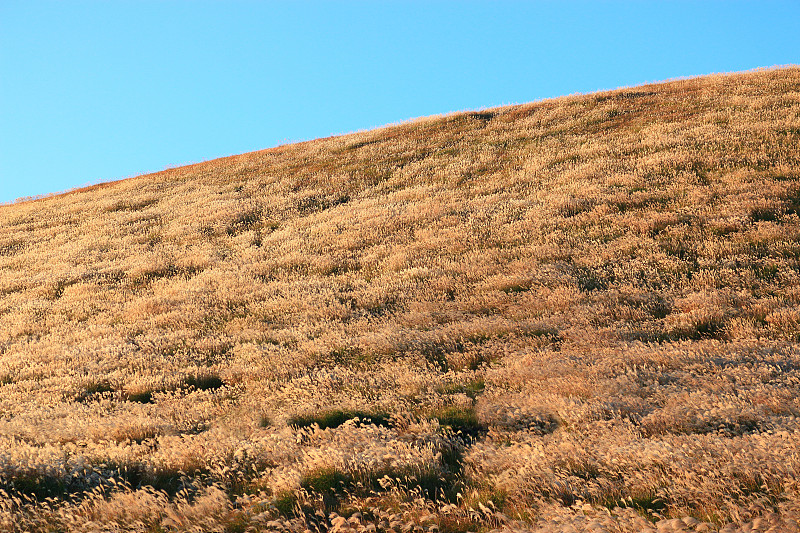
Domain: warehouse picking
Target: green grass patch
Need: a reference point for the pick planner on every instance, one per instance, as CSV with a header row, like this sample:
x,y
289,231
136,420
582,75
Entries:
x,y
648,505
461,421
334,418
168,480
202,381
471,388
38,487
345,356
326,481
285,502
436,482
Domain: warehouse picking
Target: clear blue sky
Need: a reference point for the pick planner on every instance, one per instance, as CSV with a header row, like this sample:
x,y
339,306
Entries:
x,y
96,91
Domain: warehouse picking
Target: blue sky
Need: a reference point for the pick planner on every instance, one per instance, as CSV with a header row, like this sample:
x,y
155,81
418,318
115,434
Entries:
x,y
97,91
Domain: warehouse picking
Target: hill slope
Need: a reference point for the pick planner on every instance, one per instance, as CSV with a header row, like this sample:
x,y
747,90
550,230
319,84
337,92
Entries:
x,y
578,312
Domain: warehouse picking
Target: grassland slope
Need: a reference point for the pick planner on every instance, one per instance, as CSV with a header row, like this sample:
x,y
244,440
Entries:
x,y
576,313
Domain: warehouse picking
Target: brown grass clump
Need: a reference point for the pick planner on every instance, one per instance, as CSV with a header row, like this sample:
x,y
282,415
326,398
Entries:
x,y
577,314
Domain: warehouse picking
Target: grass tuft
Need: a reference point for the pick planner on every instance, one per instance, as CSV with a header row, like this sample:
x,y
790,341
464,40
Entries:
x,y
334,418
203,382
460,420
577,311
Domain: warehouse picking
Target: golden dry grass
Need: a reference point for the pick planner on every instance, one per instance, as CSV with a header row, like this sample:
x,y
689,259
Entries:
x,y
577,314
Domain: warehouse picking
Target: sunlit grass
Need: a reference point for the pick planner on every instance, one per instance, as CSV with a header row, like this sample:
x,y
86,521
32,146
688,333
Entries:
x,y
577,314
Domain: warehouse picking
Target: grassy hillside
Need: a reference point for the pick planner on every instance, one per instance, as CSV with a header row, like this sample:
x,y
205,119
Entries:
x,y
578,313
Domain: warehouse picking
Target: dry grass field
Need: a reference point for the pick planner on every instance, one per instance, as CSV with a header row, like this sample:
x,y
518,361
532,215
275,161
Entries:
x,y
580,314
